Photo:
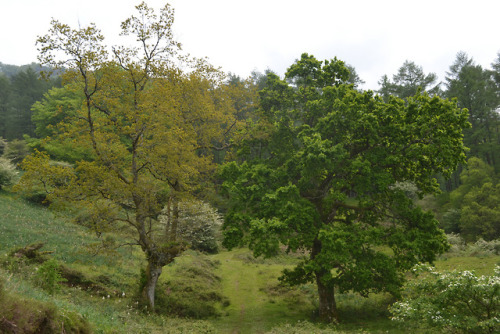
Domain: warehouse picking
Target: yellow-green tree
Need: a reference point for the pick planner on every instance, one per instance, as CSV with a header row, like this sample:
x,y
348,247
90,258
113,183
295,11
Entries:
x,y
152,118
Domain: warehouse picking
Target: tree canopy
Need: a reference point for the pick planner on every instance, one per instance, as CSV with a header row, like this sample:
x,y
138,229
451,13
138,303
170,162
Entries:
x,y
328,177
150,117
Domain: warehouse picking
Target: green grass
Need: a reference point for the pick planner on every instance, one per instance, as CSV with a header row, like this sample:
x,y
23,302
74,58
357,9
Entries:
x,y
251,309
257,304
484,265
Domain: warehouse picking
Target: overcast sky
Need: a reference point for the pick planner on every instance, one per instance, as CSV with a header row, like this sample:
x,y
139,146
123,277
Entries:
x,y
374,36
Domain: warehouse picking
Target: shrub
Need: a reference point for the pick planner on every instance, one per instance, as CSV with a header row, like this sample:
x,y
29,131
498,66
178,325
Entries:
x,y
484,248
3,145
49,276
16,151
8,173
454,301
199,224
480,248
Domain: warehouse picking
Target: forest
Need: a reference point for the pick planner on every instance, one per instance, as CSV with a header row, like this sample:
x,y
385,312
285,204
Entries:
x,y
145,190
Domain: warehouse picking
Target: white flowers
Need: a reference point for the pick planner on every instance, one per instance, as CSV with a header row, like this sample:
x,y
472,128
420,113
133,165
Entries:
x,y
454,300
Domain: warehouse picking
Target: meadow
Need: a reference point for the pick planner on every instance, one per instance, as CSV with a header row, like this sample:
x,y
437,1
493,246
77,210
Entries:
x,y
229,292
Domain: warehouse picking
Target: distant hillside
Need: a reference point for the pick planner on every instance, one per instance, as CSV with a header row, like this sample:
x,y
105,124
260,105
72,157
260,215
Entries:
x,y
11,70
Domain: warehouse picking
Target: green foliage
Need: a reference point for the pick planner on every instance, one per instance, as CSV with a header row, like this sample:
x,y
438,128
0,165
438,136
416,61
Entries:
x,y
48,276
408,81
475,89
450,221
18,93
16,151
474,208
3,146
453,301
480,212
50,114
336,175
479,248
8,173
142,122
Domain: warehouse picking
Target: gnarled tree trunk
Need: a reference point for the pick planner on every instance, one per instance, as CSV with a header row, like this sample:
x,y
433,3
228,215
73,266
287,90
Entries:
x,y
153,272
327,306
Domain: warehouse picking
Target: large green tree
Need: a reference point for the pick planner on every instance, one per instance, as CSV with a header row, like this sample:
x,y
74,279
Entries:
x,y
151,118
329,178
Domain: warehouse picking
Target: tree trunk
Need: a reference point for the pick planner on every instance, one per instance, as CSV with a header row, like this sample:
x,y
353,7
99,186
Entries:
x,y
153,272
327,305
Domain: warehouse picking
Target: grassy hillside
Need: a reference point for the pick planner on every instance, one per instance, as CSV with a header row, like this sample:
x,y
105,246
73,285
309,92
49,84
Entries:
x,y
242,291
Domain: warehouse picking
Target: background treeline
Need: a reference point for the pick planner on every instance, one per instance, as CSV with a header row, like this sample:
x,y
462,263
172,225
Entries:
x,y
468,205
20,87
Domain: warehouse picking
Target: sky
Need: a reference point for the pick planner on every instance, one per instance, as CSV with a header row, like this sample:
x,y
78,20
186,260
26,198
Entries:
x,y
374,36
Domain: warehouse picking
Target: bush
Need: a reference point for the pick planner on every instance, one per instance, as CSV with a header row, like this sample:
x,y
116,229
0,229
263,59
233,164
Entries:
x,y
16,151
484,248
8,173
48,276
453,301
3,146
199,224
480,248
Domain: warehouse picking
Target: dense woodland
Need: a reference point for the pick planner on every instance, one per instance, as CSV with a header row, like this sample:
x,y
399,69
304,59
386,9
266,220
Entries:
x,y
150,148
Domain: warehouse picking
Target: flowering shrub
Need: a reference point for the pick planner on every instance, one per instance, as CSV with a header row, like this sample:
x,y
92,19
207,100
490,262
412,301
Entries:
x,y
8,172
199,224
479,248
454,301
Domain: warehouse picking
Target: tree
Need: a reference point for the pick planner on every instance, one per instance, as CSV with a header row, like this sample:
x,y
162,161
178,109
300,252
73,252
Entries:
x,y
475,89
480,213
5,93
27,87
327,180
151,117
58,106
409,79
496,68
476,202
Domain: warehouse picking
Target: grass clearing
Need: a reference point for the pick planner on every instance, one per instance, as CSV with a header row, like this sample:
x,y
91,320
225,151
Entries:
x,y
257,303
